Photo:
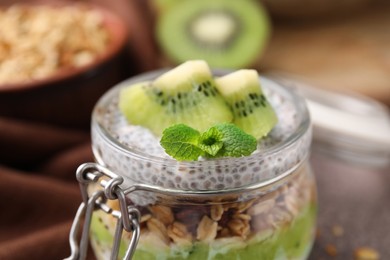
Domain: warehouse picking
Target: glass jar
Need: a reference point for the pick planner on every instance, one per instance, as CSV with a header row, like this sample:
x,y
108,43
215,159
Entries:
x,y
261,206
351,158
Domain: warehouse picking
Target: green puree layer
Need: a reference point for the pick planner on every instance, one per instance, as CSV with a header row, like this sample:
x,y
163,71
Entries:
x,y
290,242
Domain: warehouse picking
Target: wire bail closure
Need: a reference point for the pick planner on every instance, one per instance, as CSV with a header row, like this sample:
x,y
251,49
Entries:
x,y
128,218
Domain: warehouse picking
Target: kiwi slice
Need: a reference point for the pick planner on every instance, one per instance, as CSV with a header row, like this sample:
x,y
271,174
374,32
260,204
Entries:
x,y
251,110
226,34
163,5
186,94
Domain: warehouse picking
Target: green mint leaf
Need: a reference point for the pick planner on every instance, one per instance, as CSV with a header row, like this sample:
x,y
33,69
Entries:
x,y
236,142
222,140
211,141
181,142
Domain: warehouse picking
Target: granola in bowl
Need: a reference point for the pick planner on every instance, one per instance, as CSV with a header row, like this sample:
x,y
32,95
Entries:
x,y
39,40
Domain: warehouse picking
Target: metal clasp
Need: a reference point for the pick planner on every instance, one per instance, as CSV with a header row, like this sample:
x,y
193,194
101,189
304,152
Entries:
x,y
128,217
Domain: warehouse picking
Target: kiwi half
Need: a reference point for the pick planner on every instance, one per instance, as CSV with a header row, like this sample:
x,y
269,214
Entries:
x,y
163,5
186,94
251,110
225,33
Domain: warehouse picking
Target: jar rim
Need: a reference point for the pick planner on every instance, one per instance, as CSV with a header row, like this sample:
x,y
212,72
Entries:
x,y
359,130
299,104
298,101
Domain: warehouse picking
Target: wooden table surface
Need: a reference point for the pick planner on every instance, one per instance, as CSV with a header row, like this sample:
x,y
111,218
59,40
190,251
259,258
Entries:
x,y
355,199
348,53
345,54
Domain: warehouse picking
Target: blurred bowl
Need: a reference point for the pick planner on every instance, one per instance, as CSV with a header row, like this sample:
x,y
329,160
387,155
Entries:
x,y
66,97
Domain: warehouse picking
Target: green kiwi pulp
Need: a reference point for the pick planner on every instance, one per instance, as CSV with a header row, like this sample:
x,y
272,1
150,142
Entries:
x,y
250,108
163,5
226,34
186,94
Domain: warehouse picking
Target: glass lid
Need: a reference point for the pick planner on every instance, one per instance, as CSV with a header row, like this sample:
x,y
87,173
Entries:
x,y
346,125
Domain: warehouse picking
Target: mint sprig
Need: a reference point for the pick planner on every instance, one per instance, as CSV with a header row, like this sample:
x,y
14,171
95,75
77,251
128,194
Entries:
x,y
181,142
211,141
222,140
235,141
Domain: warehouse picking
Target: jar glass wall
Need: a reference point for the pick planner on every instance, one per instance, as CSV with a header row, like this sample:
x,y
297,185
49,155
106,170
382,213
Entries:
x,y
261,206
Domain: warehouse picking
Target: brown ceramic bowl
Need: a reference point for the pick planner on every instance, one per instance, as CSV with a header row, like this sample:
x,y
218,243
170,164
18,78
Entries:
x,y
66,98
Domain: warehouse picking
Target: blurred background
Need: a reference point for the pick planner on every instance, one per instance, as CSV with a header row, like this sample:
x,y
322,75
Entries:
x,y
57,59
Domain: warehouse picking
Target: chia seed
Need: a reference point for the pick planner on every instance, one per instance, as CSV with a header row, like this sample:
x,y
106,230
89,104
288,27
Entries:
x,y
166,172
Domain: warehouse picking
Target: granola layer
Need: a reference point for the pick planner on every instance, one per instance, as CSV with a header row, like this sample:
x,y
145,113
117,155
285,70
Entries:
x,y
276,224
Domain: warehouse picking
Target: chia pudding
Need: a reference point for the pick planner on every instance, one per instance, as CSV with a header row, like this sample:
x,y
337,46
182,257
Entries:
x,y
261,206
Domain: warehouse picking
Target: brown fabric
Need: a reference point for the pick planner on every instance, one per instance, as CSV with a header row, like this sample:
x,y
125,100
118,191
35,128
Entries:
x,y
39,202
